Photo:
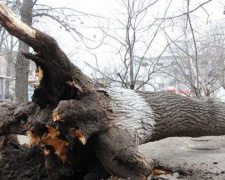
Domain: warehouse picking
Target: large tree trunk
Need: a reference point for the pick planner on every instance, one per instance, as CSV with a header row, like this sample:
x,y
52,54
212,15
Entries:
x,y
10,68
153,116
22,64
86,133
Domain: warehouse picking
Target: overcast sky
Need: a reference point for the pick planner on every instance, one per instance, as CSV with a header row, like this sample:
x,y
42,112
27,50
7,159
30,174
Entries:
x,y
107,8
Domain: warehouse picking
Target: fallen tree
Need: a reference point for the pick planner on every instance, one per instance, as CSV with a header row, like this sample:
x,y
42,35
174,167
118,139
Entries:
x,y
79,132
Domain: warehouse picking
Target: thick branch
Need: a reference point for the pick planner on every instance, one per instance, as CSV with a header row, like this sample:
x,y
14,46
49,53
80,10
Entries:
x,y
154,116
61,79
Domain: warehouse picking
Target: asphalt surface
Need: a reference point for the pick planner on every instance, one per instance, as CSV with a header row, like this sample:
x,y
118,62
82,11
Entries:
x,y
186,158
189,158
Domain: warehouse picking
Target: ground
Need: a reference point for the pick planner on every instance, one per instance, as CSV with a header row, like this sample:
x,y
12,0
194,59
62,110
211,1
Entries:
x,y
190,158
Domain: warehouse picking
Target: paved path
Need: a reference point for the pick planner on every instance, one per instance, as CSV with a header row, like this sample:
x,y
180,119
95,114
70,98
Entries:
x,y
190,158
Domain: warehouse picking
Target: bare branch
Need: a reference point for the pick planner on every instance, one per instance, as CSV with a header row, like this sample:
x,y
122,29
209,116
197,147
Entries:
x,y
189,11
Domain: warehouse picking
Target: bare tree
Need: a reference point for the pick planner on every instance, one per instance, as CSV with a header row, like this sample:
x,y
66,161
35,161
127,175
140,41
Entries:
x,y
213,45
30,11
131,36
7,50
191,60
10,67
22,64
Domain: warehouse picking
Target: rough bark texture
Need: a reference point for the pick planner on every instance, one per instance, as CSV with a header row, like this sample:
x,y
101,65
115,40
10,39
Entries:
x,y
22,68
152,116
85,133
22,64
184,117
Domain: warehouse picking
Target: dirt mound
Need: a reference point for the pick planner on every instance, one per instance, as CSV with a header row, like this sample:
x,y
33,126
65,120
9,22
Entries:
x,y
20,162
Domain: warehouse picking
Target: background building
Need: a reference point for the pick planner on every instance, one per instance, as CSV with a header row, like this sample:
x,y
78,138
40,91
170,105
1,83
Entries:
x,y
8,75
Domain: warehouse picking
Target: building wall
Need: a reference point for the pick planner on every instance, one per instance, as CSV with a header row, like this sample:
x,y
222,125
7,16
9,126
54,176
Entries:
x,y
7,76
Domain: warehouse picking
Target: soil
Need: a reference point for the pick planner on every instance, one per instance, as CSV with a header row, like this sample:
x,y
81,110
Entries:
x,y
21,162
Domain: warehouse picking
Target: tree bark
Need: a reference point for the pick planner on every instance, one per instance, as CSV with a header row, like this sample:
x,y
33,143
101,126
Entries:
x,y
22,64
22,68
151,116
84,133
8,73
